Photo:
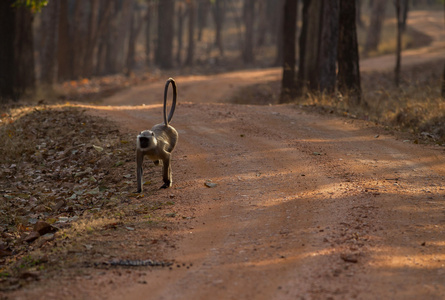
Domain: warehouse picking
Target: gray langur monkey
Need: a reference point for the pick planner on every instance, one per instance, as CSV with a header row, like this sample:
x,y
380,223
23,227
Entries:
x,y
158,143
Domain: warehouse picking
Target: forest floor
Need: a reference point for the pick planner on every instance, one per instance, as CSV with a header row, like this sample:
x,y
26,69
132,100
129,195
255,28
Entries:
x,y
268,202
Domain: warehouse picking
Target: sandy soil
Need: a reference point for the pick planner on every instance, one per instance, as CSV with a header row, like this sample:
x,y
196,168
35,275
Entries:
x,y
305,206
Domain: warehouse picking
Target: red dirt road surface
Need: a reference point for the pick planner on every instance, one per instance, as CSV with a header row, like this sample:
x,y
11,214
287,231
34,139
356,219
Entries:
x,y
305,206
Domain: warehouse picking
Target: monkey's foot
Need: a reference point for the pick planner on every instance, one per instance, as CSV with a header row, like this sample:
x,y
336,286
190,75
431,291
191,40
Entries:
x,y
166,185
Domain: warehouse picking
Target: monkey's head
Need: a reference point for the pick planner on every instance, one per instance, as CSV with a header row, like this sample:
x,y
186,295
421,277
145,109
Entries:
x,y
146,139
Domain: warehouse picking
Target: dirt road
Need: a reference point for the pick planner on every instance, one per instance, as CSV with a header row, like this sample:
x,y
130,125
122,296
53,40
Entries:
x,y
305,206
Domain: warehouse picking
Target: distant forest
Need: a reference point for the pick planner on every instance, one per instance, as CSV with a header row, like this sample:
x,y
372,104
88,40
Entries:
x,y
43,42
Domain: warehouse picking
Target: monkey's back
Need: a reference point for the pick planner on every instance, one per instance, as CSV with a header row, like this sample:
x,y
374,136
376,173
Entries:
x,y
167,135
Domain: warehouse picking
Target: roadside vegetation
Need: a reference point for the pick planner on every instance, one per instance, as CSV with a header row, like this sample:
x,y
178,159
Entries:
x,y
416,107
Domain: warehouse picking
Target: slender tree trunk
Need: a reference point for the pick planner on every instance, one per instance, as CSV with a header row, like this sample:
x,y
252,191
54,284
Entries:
x,y
191,33
248,11
117,40
348,56
48,57
79,31
274,19
180,33
111,47
7,54
375,26
24,75
276,28
218,13
288,88
313,45
64,51
203,12
399,42
123,33
405,9
238,18
262,24
328,46
148,38
302,74
105,24
91,42
165,34
135,29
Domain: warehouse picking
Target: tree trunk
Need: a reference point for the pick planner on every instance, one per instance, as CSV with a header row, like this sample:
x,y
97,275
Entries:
x,y
203,12
49,37
328,46
312,45
348,56
301,77
165,34
218,13
148,29
405,9
288,88
79,31
191,31
262,24
248,12
318,46
135,29
123,32
110,49
7,54
375,26
399,42
276,27
91,43
105,25
24,79
180,33
17,75
117,39
64,51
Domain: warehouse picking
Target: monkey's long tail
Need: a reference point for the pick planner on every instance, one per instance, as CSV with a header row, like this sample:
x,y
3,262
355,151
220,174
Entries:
x,y
172,110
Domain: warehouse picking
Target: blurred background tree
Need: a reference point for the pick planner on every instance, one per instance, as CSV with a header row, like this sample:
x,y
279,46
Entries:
x,y
46,42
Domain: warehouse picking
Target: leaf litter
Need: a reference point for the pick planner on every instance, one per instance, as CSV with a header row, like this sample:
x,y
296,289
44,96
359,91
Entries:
x,y
66,189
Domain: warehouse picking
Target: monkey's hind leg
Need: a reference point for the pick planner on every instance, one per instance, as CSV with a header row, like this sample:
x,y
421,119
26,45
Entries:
x,y
139,161
166,173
